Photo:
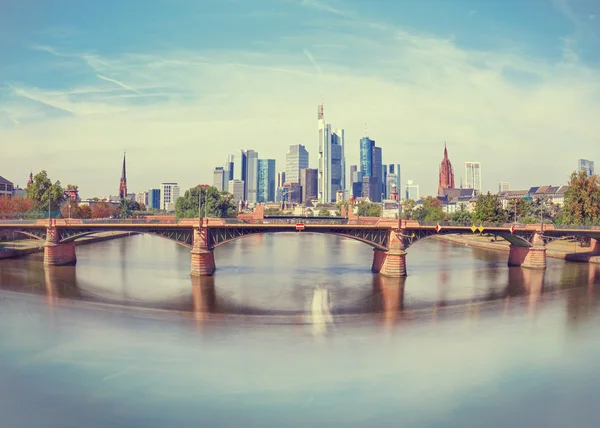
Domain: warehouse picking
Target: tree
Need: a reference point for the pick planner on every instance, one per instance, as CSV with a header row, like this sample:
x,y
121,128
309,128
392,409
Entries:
x,y
46,196
433,209
70,209
15,207
324,212
489,209
127,207
85,211
518,206
369,209
339,205
102,210
214,203
582,200
461,216
273,211
408,205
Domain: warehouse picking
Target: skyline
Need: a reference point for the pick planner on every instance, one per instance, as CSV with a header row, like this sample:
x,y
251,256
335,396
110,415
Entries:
x,y
497,83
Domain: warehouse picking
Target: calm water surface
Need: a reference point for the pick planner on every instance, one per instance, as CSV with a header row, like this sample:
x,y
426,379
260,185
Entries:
x,y
294,330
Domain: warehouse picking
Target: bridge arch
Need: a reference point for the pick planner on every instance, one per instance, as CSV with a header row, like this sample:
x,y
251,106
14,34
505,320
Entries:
x,y
517,240
184,239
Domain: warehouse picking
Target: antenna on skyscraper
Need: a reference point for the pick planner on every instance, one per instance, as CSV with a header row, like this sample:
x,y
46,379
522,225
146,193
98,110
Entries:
x,y
366,135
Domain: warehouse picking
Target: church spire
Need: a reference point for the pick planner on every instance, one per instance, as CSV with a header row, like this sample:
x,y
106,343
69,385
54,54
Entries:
x,y
123,183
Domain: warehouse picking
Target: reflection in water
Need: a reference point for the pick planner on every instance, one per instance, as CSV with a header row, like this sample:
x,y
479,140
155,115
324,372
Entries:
x,y
319,314
203,296
391,292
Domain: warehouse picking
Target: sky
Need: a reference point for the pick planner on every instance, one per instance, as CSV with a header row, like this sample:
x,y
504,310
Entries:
x,y
181,84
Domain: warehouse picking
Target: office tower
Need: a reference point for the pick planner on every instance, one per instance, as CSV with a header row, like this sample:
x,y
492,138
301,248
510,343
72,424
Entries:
x,y
240,168
266,180
446,175
473,176
332,162
587,166
338,161
153,199
412,190
384,173
394,168
280,179
251,176
219,178
503,186
391,182
371,169
169,192
236,188
228,171
295,160
353,175
292,193
309,180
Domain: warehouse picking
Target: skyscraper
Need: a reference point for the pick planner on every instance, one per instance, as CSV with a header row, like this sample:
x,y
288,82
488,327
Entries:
x,y
236,188
503,186
366,156
169,192
153,199
412,190
394,168
266,180
371,170
219,178
473,176
331,159
295,160
377,169
240,170
446,176
353,175
587,166
251,176
123,183
309,180
391,182
228,172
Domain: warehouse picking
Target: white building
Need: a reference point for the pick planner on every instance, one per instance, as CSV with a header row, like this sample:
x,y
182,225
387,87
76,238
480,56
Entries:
x,y
169,192
219,178
587,166
332,164
142,198
6,188
412,190
236,188
295,160
503,186
473,176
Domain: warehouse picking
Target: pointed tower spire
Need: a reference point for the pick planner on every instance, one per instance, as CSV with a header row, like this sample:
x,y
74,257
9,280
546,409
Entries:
x,y
123,183
445,151
30,182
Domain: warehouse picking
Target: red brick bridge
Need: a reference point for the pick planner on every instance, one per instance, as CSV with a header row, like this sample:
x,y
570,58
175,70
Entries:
x,y
389,238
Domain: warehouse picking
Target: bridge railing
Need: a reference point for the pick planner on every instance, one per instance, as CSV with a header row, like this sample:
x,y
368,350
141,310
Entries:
x,y
467,224
18,221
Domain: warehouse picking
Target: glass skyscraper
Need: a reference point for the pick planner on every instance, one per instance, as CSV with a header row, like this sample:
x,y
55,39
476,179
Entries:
x,y
587,166
295,160
266,180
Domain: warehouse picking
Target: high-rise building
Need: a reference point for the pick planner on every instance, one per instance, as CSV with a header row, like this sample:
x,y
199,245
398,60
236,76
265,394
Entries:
x,y
153,199
377,169
587,166
371,170
228,171
353,175
371,189
292,193
309,180
240,169
236,188
412,190
503,186
169,192
251,176
123,182
391,182
219,178
280,179
384,173
394,168
366,156
295,159
266,180
473,176
331,159
142,198
446,176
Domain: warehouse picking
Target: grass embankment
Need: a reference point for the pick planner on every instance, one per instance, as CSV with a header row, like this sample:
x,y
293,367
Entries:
x,y
557,249
10,249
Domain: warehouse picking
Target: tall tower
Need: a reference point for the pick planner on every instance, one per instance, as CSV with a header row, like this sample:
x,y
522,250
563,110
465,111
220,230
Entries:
x,y
30,182
123,184
325,158
446,173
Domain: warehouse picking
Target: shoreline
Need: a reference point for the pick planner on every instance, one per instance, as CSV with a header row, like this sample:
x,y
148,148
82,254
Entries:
x,y
563,250
31,246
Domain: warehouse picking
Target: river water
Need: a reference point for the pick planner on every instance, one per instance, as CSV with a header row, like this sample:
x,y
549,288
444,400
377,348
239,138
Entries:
x,y
294,330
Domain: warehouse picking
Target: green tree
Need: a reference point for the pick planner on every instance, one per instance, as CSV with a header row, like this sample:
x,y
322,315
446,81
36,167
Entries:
x,y
369,209
339,205
518,206
489,209
46,196
214,203
461,216
127,207
408,205
582,200
273,211
324,212
433,209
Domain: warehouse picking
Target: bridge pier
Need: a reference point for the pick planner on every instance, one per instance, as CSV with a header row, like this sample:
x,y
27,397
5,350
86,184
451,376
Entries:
x,y
58,253
391,262
533,257
203,257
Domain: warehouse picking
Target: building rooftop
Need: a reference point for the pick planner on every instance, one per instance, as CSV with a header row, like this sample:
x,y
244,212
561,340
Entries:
x,y
4,181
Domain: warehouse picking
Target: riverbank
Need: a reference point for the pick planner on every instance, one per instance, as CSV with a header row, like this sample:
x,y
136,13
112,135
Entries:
x,y
13,249
557,249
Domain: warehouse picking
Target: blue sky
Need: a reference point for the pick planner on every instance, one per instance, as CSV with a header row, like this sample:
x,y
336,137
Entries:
x,y
180,84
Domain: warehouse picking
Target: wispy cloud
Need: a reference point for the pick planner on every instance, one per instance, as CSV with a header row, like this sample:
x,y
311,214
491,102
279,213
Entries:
x,y
117,82
323,6
472,12
312,60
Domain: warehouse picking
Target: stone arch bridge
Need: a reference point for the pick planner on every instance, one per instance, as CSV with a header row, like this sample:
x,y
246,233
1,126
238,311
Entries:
x,y
389,238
